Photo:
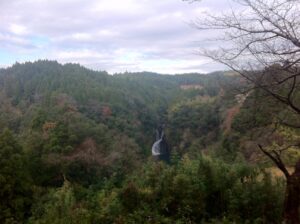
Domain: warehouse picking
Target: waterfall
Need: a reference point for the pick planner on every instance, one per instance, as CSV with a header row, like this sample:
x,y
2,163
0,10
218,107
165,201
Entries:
x,y
160,147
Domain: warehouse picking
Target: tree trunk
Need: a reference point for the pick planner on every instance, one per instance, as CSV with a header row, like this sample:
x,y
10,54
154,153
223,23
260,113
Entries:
x,y
292,197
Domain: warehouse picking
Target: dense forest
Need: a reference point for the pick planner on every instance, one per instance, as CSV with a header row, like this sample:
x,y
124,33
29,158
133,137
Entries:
x,y
75,147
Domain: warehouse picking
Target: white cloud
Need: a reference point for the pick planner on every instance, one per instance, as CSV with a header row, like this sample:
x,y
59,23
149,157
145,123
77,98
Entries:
x,y
18,29
115,35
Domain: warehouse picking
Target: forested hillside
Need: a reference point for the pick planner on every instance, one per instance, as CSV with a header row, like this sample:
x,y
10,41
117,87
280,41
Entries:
x,y
75,147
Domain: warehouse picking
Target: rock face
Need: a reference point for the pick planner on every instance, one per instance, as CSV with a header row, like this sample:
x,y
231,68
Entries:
x,y
160,148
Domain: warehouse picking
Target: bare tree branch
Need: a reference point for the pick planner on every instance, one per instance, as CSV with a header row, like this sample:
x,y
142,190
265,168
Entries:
x,y
276,159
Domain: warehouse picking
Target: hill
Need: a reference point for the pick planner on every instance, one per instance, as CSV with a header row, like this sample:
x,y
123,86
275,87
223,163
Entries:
x,y
76,147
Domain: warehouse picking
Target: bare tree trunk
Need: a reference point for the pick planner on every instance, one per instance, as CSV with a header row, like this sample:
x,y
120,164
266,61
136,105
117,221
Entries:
x,y
292,192
292,197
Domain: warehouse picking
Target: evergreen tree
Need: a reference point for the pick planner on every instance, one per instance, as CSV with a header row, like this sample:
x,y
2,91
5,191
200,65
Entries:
x,y
15,191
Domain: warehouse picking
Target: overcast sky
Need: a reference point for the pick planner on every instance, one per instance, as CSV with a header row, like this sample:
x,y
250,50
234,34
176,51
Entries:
x,y
111,35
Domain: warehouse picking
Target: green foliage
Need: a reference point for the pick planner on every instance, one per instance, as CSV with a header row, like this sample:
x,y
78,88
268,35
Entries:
x,y
193,120
198,190
60,207
15,189
85,140
195,191
258,111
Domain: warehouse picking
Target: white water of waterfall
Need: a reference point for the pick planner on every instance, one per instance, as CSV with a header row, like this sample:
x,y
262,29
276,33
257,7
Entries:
x,y
156,148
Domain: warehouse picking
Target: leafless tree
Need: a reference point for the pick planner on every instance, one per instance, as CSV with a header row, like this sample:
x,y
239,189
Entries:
x,y
261,43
